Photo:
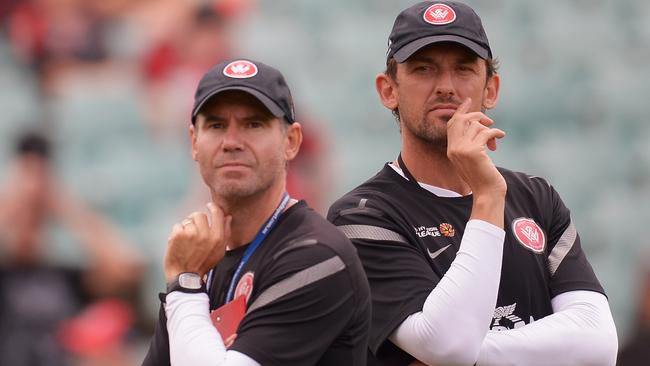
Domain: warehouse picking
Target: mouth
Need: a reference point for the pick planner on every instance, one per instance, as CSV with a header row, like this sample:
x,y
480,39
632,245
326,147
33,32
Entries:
x,y
233,165
444,111
445,107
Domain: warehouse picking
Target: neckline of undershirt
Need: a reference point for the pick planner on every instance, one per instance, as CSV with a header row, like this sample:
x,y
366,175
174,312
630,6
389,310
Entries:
x,y
440,192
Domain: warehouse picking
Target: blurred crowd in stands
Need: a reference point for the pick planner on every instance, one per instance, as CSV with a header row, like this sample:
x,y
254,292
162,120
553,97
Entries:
x,y
97,310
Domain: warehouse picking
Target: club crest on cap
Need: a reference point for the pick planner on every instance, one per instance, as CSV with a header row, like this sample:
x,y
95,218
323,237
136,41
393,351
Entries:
x,y
529,234
439,14
240,69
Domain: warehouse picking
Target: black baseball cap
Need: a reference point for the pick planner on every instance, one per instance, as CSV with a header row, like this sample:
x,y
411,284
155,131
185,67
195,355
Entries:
x,y
260,80
430,22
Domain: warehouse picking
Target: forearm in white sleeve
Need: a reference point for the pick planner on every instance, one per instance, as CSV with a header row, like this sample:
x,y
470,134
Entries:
x,y
455,317
580,331
193,340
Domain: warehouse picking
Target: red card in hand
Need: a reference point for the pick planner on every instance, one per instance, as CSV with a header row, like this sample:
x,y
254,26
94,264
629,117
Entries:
x,y
227,318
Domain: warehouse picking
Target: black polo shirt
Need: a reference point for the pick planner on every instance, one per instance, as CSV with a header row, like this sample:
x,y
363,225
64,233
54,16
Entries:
x,y
320,312
407,238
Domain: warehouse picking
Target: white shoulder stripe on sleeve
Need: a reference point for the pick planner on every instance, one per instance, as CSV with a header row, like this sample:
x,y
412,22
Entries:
x,y
562,248
297,281
371,233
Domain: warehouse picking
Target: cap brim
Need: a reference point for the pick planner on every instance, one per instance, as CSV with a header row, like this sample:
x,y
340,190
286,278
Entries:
x,y
408,50
268,103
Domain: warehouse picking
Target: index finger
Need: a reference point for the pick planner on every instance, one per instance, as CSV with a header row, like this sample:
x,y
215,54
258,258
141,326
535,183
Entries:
x,y
463,107
452,129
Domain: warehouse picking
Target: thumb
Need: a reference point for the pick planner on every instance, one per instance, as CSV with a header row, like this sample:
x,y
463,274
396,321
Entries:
x,y
226,227
216,215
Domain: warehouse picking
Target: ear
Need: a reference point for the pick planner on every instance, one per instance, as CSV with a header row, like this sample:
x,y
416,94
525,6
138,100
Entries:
x,y
387,90
293,140
193,136
491,92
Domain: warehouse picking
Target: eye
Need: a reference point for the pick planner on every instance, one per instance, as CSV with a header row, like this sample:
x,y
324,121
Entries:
x,y
465,68
215,125
255,124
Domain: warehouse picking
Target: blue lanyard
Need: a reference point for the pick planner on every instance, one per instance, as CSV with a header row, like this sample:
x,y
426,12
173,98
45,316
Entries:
x,y
261,235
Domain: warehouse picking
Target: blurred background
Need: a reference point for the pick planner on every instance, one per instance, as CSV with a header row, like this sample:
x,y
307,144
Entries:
x,y
95,97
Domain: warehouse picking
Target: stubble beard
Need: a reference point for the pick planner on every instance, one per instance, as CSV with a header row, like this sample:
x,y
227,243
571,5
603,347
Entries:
x,y
235,190
241,190
431,135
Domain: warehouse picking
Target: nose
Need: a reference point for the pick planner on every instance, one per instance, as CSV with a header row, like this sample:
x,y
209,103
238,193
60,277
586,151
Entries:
x,y
444,84
232,139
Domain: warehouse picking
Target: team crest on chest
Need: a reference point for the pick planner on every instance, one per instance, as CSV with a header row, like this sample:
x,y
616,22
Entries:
x,y
245,286
529,234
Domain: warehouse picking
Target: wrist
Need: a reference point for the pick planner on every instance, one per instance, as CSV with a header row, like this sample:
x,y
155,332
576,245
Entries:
x,y
489,208
491,192
493,197
171,275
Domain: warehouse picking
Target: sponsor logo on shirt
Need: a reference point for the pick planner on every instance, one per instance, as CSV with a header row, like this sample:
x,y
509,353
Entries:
x,y
423,231
504,318
529,234
447,230
433,255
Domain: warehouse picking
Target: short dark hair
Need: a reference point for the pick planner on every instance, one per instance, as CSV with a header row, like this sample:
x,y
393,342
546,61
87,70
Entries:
x,y
391,71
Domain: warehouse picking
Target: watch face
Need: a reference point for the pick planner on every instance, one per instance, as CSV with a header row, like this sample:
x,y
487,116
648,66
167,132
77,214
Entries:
x,y
189,281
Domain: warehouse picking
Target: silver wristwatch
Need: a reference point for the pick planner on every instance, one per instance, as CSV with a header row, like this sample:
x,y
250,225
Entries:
x,y
186,282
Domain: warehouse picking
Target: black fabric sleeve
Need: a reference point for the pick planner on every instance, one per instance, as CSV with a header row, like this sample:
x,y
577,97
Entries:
x,y
568,265
158,354
400,277
298,327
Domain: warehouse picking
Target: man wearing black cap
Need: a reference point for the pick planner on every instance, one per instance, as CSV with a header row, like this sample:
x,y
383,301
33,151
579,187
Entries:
x,y
262,279
467,263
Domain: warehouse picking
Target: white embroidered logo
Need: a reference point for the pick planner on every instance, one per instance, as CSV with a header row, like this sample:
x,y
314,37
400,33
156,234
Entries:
x,y
427,231
504,318
239,68
531,234
439,14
